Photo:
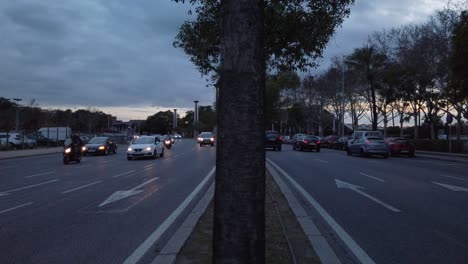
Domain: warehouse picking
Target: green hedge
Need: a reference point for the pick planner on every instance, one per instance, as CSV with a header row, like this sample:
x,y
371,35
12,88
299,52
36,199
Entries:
x,y
458,146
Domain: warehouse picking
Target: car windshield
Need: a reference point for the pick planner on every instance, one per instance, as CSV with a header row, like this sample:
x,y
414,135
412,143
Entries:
x,y
206,135
97,140
375,140
374,134
310,138
144,140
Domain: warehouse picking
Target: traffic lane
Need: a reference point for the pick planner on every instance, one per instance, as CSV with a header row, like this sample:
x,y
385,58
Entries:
x,y
65,177
76,230
427,221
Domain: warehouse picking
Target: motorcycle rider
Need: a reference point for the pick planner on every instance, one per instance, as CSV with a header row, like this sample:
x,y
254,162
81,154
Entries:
x,y
76,143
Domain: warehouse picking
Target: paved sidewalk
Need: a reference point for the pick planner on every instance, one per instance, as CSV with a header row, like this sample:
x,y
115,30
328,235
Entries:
x,y
11,154
457,157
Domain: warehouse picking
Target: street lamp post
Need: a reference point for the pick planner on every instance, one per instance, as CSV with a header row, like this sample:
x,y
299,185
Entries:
x,y
17,113
195,119
174,124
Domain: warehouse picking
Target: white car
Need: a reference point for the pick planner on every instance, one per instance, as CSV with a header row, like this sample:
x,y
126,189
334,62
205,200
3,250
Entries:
x,y
146,147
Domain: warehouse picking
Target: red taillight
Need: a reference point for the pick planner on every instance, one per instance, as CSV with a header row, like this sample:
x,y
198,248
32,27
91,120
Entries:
x,y
317,142
367,141
280,138
306,142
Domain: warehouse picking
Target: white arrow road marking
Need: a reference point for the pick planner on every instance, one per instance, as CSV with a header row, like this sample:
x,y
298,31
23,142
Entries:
x,y
81,187
372,177
452,187
16,207
119,195
29,186
345,185
40,174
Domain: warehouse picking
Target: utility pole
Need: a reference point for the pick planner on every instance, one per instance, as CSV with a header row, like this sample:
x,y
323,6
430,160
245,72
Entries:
x,y
17,113
195,120
174,124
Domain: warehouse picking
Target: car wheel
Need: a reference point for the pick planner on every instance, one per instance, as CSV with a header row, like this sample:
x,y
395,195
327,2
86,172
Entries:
x,y
155,154
385,156
201,145
279,149
65,160
317,150
411,155
162,153
212,145
128,158
361,153
106,152
349,152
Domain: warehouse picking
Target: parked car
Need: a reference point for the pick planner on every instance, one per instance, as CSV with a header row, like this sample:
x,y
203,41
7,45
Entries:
x,y
294,138
398,145
367,146
100,145
340,144
328,141
206,138
15,140
286,139
145,147
273,140
359,134
307,143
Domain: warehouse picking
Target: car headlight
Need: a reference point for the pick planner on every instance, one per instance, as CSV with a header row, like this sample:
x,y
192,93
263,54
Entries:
x,y
212,139
101,147
83,149
199,139
68,150
148,148
168,141
129,149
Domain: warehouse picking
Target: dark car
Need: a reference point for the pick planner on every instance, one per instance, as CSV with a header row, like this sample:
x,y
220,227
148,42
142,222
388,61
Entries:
x,y
100,145
307,143
206,138
328,141
367,146
398,145
273,140
340,144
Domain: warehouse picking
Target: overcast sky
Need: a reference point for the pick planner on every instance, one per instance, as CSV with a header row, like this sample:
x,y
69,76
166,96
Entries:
x,y
117,55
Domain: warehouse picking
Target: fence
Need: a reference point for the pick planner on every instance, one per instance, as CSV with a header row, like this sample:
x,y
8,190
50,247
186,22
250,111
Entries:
x,y
457,146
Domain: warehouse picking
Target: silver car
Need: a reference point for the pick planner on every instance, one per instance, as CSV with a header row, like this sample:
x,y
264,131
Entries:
x,y
367,146
146,147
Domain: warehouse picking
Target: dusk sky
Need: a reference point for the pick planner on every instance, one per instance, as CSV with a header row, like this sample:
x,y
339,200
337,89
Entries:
x,y
117,56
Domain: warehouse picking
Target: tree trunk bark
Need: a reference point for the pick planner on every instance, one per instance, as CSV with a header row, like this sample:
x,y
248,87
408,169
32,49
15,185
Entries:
x,y
415,124
239,215
374,109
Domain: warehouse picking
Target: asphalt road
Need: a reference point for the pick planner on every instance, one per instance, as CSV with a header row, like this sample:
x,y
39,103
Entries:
x,y
55,213
407,211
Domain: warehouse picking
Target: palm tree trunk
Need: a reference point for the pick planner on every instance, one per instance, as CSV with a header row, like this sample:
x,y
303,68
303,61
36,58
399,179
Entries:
x,y
239,226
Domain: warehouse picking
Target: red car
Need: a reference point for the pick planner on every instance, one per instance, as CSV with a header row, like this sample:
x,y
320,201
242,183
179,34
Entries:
x,y
328,142
399,146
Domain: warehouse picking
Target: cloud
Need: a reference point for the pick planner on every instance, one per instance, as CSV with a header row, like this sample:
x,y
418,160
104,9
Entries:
x,y
118,55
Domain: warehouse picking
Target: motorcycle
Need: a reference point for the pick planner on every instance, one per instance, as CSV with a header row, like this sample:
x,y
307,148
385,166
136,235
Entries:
x,y
72,153
168,143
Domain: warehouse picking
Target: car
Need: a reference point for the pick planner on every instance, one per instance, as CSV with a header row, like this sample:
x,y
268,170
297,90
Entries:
x,y
367,146
177,136
15,140
100,145
294,138
287,139
146,147
399,145
206,138
273,140
359,134
340,144
307,143
328,141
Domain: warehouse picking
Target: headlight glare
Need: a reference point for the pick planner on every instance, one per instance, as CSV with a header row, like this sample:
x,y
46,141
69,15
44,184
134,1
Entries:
x,y
148,148
129,149
102,147
68,150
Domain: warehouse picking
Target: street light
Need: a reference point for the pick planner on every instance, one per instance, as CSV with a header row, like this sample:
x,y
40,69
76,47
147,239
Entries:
x,y
17,113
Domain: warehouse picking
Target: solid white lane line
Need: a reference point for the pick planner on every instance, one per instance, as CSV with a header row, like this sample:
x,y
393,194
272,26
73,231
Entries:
x,y
452,187
82,166
9,167
40,174
125,173
16,207
146,245
81,187
372,177
360,254
150,165
323,161
452,177
30,186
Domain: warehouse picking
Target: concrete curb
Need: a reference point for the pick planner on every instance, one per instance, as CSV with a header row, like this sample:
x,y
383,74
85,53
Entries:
x,y
30,155
168,253
316,239
444,158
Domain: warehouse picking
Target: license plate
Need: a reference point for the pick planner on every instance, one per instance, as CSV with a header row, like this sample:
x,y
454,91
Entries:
x,y
311,144
90,150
